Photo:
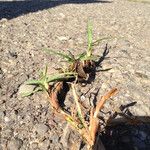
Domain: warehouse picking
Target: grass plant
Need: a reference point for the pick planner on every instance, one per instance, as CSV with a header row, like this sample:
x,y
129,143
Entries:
x,y
82,64
43,83
55,87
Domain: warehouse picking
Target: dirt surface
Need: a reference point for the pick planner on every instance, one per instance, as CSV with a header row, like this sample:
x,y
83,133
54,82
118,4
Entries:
x,y
28,123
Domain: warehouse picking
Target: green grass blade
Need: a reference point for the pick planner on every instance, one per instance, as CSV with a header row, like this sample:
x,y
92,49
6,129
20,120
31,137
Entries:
x,y
94,58
52,78
26,94
60,76
64,56
71,55
100,40
81,56
33,82
45,71
89,39
79,111
31,93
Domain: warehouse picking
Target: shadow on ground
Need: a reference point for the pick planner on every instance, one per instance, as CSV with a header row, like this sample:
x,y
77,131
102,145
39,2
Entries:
x,y
12,9
124,136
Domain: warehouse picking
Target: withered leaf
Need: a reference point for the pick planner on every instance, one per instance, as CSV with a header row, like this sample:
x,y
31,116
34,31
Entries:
x,y
103,99
53,95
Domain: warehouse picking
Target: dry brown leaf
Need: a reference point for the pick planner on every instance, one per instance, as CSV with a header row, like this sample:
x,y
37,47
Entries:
x,y
77,66
94,125
94,121
54,101
86,135
103,99
53,95
81,71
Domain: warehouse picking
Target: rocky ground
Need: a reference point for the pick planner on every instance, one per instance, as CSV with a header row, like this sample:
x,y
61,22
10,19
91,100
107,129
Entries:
x,y
28,123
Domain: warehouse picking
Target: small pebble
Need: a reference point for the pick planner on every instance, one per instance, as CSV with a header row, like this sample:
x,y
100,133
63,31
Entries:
x,y
54,138
24,88
6,119
63,38
14,144
41,129
44,145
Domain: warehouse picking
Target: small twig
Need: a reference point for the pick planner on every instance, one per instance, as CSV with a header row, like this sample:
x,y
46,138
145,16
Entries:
x,y
76,98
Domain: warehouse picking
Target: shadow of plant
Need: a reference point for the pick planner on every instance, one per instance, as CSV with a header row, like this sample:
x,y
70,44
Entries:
x,y
98,65
127,132
127,137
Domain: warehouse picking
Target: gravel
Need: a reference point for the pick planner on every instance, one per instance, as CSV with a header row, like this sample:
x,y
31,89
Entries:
x,y
41,129
28,27
14,144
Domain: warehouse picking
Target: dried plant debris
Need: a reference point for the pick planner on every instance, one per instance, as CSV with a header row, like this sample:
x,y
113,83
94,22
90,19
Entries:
x,y
88,129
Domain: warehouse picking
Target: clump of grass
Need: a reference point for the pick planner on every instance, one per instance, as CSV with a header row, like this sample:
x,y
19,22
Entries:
x,y
55,85
43,83
82,64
